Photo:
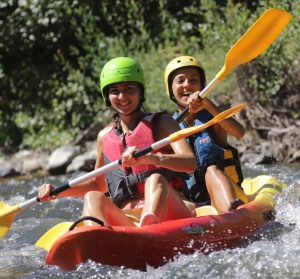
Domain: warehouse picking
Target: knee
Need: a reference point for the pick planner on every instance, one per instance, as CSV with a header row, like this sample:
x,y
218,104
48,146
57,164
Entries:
x,y
212,176
156,181
92,195
211,171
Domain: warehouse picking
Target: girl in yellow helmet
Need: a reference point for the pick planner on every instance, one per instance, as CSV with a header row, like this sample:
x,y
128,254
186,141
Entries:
x,y
145,187
218,177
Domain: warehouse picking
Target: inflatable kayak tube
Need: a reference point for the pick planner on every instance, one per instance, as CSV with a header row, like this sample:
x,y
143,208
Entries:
x,y
158,244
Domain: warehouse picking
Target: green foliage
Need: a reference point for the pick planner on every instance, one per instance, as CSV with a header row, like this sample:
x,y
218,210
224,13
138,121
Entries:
x,y
278,70
51,54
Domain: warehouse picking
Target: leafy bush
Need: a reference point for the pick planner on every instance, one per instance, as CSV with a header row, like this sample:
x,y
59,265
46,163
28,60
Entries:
x,y
52,53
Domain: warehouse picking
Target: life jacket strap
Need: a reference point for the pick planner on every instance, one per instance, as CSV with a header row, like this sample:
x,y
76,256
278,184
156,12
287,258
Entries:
x,y
229,162
133,179
127,185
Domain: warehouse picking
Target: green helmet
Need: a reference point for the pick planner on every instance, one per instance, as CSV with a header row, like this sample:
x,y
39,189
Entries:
x,y
119,70
180,62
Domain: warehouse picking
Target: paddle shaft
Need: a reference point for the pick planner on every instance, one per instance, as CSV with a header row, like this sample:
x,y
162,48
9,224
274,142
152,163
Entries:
x,y
94,173
109,167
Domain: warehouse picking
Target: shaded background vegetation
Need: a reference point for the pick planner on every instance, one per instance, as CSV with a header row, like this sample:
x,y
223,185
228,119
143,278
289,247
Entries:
x,y
52,52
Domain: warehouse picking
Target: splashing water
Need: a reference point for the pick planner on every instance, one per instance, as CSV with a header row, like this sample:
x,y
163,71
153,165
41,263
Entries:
x,y
275,255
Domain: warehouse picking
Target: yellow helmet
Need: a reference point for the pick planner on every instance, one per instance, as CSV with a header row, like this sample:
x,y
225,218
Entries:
x,y
180,62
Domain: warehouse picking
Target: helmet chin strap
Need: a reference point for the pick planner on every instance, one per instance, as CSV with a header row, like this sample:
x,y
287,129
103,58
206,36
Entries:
x,y
177,103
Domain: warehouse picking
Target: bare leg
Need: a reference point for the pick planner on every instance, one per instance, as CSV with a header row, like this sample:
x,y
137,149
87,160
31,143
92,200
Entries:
x,y
222,189
162,202
96,204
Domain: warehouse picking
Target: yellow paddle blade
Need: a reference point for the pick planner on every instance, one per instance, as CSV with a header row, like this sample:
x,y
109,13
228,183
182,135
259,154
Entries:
x,y
53,234
192,130
256,40
7,214
266,184
206,210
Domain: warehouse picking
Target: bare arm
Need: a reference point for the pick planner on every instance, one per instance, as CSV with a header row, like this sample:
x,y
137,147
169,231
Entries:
x,y
95,184
229,125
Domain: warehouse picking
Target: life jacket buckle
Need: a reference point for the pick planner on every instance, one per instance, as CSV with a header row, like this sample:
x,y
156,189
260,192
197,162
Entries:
x,y
136,178
131,180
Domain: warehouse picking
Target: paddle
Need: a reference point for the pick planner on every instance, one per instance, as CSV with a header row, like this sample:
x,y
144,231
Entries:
x,y
50,236
257,39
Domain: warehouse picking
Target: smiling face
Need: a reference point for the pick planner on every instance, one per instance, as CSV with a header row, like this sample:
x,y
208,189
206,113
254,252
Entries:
x,y
124,96
185,81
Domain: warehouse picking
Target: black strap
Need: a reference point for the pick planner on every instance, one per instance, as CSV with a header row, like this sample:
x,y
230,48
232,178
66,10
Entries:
x,y
126,187
91,218
133,179
228,162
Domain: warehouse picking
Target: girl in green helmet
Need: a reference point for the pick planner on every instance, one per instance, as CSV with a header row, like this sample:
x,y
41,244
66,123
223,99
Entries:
x,y
146,188
218,177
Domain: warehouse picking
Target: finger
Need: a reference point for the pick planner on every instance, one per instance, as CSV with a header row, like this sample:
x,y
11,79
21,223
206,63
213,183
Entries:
x,y
44,192
42,189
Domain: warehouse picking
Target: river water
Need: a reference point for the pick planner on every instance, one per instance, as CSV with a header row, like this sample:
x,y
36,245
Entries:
x,y
275,255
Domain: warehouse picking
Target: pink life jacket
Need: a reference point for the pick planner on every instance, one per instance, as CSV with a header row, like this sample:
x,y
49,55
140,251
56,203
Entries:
x,y
130,182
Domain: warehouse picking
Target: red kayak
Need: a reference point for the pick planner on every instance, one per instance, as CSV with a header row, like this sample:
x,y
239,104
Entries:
x,y
158,244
